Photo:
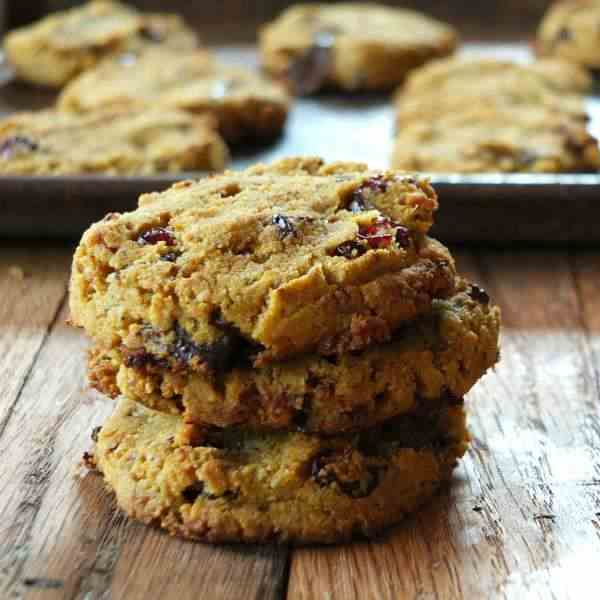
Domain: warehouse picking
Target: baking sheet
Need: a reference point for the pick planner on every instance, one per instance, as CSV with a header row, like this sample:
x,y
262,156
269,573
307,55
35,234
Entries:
x,y
475,208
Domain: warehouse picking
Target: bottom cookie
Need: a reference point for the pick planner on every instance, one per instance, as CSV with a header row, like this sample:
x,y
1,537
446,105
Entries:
x,y
231,485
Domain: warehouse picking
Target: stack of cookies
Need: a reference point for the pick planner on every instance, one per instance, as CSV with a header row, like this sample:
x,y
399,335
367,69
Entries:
x,y
471,115
290,348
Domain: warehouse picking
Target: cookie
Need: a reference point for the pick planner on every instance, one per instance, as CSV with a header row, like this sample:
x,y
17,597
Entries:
x,y
569,30
557,75
246,105
52,142
54,50
432,361
236,486
259,266
350,46
113,142
448,86
504,139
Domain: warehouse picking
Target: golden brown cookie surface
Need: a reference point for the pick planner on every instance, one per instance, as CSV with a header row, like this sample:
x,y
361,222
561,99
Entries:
x,y
569,31
351,46
245,104
262,264
231,485
57,48
117,141
427,364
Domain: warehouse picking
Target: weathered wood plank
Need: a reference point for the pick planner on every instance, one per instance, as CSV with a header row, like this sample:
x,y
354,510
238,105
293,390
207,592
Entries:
x,y
522,518
61,536
33,285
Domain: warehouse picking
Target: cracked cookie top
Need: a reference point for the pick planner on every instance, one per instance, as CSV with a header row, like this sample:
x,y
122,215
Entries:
x,y
266,264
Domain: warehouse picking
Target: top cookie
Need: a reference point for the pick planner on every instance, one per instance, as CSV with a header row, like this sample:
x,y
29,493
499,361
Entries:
x,y
245,104
570,31
62,45
350,46
268,263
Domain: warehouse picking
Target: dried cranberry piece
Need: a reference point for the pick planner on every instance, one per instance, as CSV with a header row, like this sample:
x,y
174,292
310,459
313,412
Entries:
x,y
351,249
191,492
15,145
379,234
403,237
156,235
479,294
285,226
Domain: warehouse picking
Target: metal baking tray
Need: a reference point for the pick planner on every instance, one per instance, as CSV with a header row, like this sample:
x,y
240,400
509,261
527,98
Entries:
x,y
475,208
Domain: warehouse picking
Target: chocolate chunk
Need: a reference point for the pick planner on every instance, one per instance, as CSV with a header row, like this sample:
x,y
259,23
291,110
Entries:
x,y
170,256
300,419
15,145
152,34
191,492
156,235
140,359
351,249
228,351
479,294
309,71
564,35
285,226
403,238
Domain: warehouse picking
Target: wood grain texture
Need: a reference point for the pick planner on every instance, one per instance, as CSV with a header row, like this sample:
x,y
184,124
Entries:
x,y
61,536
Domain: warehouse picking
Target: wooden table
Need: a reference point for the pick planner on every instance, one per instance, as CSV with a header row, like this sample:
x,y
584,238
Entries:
x,y
521,520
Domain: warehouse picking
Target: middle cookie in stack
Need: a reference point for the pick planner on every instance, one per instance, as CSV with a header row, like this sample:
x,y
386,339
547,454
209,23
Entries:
x,y
311,343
